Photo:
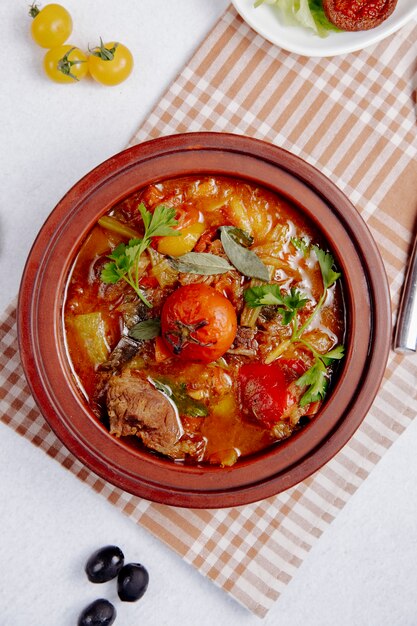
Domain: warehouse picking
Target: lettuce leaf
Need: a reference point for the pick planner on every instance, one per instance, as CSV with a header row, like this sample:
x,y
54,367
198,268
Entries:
x,y
319,16
307,13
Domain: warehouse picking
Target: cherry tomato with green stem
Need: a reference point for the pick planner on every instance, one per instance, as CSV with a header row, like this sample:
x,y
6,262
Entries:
x,y
110,63
198,323
65,64
51,25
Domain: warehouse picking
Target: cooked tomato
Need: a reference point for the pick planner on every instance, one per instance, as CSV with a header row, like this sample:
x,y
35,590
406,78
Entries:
x,y
198,323
293,368
264,391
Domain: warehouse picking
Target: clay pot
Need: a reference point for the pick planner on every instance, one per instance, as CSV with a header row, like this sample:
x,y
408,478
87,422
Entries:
x,y
48,369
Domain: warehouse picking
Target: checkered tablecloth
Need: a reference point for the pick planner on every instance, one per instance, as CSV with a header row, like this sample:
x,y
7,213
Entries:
x,y
353,117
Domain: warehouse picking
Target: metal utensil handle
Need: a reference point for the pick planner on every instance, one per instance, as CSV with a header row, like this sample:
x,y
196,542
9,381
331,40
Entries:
x,y
406,332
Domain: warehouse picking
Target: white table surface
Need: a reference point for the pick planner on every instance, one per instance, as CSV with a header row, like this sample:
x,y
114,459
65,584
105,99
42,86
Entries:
x,y
362,572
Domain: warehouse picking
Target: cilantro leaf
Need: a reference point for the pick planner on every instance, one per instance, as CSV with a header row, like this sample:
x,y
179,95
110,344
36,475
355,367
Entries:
x,y
294,301
186,404
125,258
110,273
146,215
132,250
271,295
301,244
263,295
333,355
118,252
326,262
316,380
287,315
159,223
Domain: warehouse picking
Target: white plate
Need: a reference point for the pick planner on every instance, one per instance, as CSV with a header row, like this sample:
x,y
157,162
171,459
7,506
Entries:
x,y
266,21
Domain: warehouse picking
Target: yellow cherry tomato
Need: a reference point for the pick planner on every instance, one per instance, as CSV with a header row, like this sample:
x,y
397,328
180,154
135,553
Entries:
x,y
51,25
176,246
110,63
65,64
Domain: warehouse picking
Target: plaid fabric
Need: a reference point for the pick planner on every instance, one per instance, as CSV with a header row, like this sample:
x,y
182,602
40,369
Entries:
x,y
353,118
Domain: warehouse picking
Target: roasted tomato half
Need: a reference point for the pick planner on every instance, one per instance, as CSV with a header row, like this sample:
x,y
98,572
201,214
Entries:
x,y
264,392
198,323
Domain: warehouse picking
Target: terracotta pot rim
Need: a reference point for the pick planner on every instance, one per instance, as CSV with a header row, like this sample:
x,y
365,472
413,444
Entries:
x,y
40,312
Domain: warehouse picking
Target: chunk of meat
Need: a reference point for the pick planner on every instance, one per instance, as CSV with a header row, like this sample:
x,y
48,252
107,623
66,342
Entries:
x,y
136,408
124,351
245,343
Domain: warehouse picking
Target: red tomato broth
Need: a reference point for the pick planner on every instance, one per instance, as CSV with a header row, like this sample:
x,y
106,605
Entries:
x,y
228,428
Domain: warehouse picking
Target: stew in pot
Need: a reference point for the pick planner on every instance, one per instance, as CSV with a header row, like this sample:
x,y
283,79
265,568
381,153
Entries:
x,y
204,319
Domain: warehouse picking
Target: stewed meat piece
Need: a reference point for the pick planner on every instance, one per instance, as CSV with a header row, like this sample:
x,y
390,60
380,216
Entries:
x,y
136,408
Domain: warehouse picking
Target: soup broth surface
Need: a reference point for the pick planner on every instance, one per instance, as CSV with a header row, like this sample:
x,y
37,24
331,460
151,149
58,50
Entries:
x,y
143,362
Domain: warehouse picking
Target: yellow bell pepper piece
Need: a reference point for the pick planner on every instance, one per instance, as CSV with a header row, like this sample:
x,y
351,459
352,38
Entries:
x,y
177,246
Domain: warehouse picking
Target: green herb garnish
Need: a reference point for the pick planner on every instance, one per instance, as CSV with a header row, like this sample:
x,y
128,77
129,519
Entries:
x,y
240,236
288,304
316,377
301,244
148,329
125,257
326,263
202,263
178,394
329,277
267,295
244,260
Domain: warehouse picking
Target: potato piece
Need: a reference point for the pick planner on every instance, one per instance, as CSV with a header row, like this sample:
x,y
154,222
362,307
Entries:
x,y
238,214
91,332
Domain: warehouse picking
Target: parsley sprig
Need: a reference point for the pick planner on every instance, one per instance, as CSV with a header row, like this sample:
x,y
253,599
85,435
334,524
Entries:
x,y
267,295
124,264
316,377
329,277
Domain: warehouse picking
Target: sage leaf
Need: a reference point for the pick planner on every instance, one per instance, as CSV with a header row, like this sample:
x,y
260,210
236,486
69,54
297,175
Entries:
x,y
148,329
244,260
202,263
240,236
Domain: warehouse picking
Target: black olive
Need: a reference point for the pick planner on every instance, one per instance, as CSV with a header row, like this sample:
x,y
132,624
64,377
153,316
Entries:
x,y
99,613
104,564
132,582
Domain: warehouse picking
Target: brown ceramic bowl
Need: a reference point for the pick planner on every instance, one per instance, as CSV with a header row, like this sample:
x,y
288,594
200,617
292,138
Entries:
x,y
41,334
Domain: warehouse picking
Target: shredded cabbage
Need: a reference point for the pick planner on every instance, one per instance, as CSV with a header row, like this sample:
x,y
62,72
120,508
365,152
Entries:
x,y
307,13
